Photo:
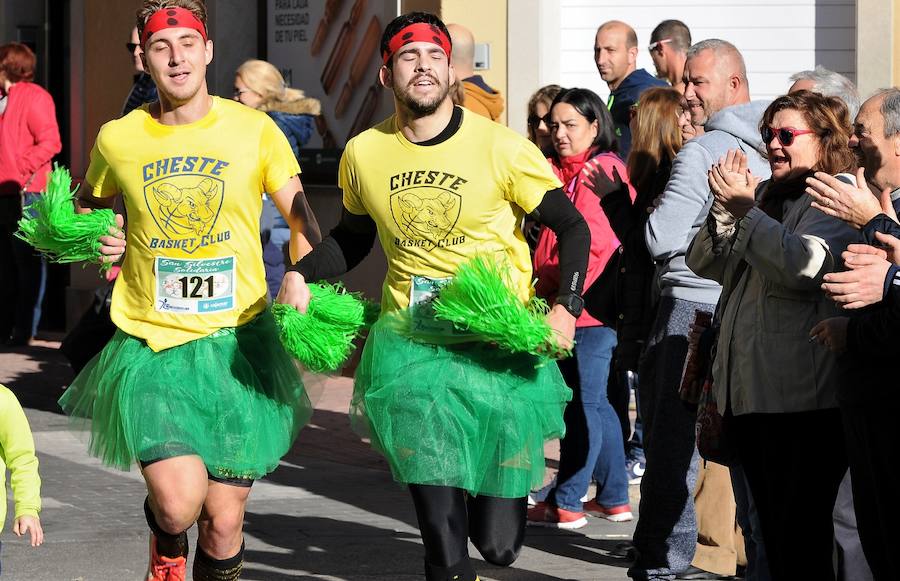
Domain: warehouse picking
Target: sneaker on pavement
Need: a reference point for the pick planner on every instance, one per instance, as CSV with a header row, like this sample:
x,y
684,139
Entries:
x,y
165,568
635,470
621,513
546,515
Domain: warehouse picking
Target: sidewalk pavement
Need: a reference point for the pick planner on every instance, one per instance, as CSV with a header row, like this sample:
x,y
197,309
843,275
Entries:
x,y
330,512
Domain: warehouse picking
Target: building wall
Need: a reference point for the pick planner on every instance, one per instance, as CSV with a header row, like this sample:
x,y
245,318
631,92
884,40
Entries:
x,y
776,37
487,21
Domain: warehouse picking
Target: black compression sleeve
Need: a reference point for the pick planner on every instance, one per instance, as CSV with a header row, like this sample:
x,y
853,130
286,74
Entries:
x,y
346,246
558,213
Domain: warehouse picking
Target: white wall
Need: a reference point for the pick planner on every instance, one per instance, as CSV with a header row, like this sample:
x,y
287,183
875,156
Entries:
x,y
776,37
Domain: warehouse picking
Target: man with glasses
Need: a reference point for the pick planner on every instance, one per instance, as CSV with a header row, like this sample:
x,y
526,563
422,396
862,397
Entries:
x,y
718,97
143,90
669,43
615,54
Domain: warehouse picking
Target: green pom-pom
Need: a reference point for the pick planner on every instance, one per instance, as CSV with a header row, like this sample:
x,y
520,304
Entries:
x,y
479,300
52,227
322,339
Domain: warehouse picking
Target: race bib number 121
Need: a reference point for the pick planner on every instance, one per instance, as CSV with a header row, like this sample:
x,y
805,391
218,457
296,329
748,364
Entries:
x,y
195,287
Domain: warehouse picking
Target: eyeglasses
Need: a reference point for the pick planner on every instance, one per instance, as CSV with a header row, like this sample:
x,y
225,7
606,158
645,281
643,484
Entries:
x,y
658,44
131,46
785,135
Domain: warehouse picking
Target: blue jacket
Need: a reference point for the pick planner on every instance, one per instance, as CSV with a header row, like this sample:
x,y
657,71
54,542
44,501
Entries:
x,y
621,100
298,128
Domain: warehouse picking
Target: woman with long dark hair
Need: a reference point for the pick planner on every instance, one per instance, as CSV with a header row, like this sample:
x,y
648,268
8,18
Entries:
x,y
582,132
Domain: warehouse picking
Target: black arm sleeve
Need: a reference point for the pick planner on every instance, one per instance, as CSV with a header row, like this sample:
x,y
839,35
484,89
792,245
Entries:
x,y
880,223
558,213
346,246
872,330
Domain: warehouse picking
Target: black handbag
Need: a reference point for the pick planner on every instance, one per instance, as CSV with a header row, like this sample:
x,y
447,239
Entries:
x,y
600,298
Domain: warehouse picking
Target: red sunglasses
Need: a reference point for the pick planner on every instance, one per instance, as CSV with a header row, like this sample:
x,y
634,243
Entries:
x,y
785,135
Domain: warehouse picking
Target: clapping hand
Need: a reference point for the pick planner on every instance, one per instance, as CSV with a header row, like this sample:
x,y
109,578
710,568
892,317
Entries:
x,y
732,184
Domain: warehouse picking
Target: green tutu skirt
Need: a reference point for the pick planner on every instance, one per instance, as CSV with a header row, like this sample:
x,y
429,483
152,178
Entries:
x,y
466,415
235,398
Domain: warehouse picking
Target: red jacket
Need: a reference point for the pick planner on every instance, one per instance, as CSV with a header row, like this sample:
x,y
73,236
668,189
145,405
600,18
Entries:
x,y
29,138
603,241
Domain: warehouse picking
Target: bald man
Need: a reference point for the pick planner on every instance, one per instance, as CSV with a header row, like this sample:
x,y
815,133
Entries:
x,y
615,54
478,96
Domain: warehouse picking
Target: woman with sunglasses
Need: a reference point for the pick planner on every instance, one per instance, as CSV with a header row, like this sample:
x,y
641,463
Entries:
x,y
582,131
538,109
769,248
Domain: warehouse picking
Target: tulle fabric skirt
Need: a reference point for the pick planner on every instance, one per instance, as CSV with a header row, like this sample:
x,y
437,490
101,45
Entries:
x,y
235,398
466,415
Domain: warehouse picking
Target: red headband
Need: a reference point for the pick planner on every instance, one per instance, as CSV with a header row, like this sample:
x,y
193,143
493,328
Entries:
x,y
173,17
418,32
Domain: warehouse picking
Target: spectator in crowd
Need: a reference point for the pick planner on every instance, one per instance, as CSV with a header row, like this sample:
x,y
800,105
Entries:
x,y
29,138
829,83
476,95
538,109
669,43
583,135
539,134
688,129
770,258
143,90
852,560
656,139
615,54
258,84
867,397
666,533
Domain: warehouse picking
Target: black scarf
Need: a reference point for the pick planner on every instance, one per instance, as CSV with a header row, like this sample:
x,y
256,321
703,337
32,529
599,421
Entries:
x,y
779,192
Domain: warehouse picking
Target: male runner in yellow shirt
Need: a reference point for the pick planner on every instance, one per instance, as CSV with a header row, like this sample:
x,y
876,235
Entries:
x,y
195,385
462,423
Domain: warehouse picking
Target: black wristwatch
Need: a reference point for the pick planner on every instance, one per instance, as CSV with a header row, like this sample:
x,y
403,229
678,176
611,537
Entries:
x,y
572,303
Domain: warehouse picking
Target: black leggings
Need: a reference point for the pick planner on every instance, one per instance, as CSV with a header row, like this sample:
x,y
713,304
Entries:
x,y
448,517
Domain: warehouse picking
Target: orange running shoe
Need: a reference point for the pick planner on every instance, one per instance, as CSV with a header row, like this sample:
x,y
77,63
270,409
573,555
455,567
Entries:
x,y
165,568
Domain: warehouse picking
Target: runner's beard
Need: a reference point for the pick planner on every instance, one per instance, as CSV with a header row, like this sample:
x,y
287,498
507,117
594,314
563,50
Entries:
x,y
422,107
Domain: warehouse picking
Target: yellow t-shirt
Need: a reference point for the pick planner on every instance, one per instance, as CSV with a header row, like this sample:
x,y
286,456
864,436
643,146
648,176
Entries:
x,y
436,206
193,194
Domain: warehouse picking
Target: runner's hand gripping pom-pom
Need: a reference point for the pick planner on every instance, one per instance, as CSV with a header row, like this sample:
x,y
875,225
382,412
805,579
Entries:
x,y
52,227
322,339
479,300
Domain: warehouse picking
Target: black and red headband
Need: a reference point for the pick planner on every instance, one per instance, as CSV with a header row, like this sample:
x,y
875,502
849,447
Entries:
x,y
417,32
173,17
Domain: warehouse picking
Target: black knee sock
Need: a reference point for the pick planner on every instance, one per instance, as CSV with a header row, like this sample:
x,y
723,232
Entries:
x,y
167,544
208,569
462,571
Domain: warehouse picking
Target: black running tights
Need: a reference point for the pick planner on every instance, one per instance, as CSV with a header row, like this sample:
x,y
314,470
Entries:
x,y
448,517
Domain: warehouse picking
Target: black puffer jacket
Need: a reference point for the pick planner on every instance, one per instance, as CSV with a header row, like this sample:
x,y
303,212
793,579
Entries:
x,y
635,296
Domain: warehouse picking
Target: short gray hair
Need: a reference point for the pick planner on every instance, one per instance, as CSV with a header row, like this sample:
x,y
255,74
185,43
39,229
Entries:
x,y
720,48
831,84
890,110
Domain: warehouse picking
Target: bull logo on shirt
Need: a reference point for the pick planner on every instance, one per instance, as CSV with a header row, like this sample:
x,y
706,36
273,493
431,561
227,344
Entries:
x,y
185,208
425,215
